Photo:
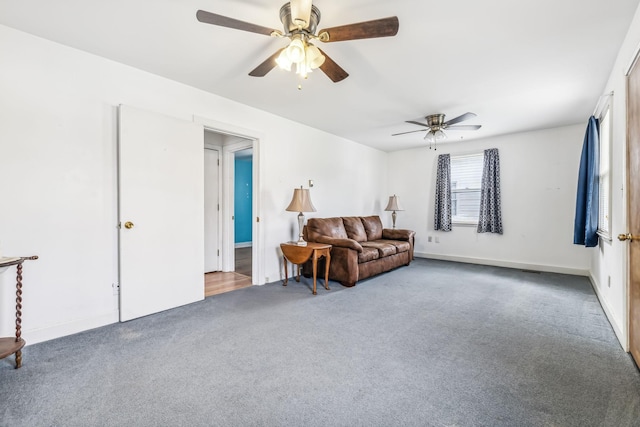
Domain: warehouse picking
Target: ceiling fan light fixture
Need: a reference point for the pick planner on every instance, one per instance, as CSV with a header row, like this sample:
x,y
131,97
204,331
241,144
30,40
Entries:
x,y
430,137
435,135
283,61
295,51
302,70
314,58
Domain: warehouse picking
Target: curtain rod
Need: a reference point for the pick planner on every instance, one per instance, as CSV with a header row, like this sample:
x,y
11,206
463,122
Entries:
x,y
598,104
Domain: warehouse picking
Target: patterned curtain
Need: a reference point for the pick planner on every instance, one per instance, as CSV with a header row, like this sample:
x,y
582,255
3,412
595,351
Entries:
x,y
442,215
490,217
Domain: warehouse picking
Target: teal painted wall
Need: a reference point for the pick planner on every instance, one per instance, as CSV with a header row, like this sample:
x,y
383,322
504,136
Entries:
x,y
243,196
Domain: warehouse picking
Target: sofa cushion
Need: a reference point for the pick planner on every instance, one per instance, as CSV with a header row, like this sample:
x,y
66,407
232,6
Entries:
x,y
354,228
368,254
399,244
331,227
373,227
384,249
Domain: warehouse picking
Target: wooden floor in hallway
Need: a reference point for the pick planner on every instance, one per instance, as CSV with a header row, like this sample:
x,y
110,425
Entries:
x,y
220,282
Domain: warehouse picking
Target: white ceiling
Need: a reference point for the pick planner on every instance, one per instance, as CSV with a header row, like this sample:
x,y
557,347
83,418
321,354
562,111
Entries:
x,y
519,65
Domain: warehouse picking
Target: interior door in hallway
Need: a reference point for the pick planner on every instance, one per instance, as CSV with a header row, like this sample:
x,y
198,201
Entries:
x,y
633,207
211,210
161,212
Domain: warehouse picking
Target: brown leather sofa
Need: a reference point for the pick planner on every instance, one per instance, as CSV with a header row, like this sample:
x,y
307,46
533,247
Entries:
x,y
361,247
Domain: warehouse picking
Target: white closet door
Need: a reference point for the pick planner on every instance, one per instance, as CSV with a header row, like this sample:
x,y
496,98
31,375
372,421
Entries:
x,y
161,200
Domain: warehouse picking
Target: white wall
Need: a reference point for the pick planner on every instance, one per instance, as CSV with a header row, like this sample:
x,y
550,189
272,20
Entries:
x,y
538,186
610,259
58,176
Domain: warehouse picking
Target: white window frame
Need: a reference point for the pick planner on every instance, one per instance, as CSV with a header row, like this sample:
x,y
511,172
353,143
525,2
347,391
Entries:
x,y
472,221
605,133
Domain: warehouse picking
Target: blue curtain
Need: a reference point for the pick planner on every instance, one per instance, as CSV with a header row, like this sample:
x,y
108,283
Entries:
x,y
586,221
490,216
442,214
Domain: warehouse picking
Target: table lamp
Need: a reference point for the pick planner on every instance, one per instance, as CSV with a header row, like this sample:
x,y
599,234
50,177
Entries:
x,y
394,206
301,202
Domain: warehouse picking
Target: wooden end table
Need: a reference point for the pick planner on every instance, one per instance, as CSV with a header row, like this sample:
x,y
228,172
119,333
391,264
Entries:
x,y
296,254
13,345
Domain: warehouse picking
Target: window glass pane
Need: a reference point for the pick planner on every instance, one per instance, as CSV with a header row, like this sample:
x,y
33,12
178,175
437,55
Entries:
x,y
466,178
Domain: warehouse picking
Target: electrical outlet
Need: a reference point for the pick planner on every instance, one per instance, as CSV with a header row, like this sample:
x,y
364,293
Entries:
x,y
430,239
437,239
266,279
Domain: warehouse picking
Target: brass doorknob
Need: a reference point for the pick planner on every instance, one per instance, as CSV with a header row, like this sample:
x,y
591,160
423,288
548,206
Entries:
x,y
128,225
630,237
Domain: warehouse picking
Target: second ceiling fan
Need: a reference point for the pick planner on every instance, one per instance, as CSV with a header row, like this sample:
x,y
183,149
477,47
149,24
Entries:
x,y
436,125
300,19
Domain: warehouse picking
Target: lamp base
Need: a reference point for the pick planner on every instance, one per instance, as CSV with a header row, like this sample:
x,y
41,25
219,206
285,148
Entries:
x,y
300,241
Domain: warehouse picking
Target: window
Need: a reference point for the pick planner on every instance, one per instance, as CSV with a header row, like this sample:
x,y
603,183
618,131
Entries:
x,y
604,174
466,178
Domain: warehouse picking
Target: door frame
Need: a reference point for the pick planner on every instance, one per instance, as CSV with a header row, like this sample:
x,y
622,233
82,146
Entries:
x,y
254,141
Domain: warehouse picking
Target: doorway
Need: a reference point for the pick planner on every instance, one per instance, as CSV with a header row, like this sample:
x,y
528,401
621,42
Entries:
x,y
243,210
229,169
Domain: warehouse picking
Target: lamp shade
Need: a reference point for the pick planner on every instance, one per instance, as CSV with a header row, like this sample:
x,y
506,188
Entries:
x,y
295,51
393,204
314,58
283,61
301,201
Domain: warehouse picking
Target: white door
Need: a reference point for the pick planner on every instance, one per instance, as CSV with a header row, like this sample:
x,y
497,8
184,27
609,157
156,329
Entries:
x,y
161,212
211,211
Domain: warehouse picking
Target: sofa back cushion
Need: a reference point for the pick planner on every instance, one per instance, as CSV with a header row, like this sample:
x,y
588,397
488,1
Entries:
x,y
354,228
373,227
331,227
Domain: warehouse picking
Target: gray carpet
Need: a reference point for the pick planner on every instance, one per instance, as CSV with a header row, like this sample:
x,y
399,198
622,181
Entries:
x,y
432,344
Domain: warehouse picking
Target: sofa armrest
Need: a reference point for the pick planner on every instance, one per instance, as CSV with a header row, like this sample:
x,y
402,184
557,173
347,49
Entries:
x,y
343,243
397,234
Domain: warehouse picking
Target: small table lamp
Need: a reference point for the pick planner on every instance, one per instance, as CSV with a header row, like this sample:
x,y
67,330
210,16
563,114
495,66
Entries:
x,y
301,202
394,206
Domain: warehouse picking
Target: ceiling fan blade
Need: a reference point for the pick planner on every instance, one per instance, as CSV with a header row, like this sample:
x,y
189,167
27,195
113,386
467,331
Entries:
x,y
418,123
465,116
224,21
411,131
384,27
268,65
464,127
332,70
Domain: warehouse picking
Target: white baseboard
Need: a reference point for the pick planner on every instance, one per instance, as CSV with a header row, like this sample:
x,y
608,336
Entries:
x,y
35,336
244,244
507,264
617,329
